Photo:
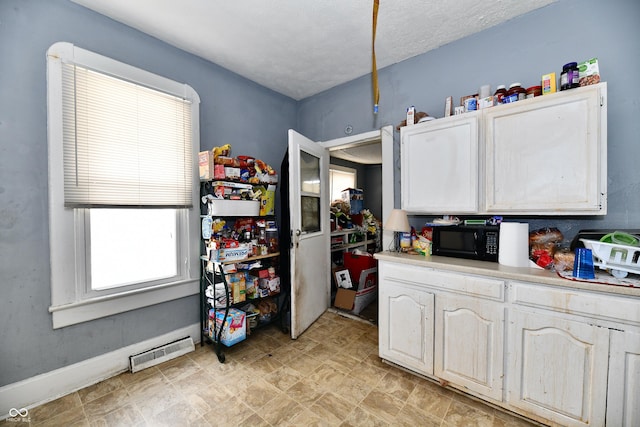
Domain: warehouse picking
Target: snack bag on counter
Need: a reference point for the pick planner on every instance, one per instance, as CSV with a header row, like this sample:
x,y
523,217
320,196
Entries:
x,y
563,260
543,244
422,246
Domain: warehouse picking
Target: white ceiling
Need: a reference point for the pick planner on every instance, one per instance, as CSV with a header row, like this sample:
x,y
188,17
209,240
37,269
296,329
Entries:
x,y
302,47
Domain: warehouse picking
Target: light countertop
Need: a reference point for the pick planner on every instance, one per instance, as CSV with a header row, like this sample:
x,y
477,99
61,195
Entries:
x,y
526,274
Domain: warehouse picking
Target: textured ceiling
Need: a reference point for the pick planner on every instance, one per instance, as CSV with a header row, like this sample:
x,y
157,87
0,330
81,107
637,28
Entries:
x,y
302,47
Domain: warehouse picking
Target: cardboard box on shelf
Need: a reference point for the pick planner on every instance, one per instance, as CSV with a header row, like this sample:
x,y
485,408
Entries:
x,y
355,198
205,165
589,72
230,254
234,329
238,286
261,273
232,173
218,172
272,284
252,287
267,199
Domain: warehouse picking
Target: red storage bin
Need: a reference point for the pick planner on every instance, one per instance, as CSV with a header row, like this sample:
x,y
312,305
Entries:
x,y
356,264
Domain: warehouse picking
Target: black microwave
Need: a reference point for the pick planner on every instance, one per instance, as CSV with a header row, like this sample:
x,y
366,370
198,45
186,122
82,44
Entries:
x,y
467,241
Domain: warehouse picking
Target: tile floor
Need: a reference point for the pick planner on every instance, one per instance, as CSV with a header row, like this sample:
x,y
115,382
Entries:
x,y
330,376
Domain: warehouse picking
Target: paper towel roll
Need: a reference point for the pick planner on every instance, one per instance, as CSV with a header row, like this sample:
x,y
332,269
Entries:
x,y
513,246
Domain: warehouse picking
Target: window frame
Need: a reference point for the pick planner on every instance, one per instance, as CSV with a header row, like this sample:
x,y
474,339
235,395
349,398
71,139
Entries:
x,y
70,303
343,169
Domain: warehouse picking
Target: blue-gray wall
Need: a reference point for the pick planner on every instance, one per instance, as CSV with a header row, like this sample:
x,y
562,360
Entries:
x,y
255,121
233,110
519,50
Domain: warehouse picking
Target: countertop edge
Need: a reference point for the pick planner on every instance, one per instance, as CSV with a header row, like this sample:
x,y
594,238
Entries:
x,y
493,269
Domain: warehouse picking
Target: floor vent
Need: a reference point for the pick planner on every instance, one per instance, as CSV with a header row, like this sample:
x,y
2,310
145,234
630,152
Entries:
x,y
160,354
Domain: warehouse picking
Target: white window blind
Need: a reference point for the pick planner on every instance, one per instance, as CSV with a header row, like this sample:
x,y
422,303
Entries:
x,y
124,144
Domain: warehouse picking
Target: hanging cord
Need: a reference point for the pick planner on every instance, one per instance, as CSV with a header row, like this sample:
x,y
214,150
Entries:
x,y
374,68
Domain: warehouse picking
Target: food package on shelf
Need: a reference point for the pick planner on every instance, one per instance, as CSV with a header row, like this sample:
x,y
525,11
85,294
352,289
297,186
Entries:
x,y
355,198
589,72
237,286
268,310
234,327
267,199
271,285
205,165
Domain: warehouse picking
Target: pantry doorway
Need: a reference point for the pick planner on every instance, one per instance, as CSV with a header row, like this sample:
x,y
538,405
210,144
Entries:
x,y
310,288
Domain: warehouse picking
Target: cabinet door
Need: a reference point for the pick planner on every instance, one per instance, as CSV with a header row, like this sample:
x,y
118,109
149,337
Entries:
x,y
469,337
623,408
557,368
406,325
547,155
439,165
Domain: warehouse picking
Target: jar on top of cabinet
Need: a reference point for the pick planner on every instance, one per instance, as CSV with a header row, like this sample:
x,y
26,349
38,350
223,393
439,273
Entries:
x,y
515,93
570,77
501,92
534,91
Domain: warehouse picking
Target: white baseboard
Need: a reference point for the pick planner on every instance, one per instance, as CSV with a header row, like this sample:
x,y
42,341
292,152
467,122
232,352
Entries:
x,y
51,385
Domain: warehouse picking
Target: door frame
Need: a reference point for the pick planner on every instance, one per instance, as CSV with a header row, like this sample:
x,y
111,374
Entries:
x,y
385,136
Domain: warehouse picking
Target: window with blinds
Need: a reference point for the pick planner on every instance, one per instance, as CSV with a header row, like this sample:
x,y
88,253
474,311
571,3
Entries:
x,y
123,186
125,145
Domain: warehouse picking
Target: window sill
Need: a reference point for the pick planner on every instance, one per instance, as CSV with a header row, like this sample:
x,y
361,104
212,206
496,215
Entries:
x,y
95,308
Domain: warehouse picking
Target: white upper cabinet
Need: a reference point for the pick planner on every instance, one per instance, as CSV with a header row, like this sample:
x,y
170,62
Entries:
x,y
548,155
440,165
540,156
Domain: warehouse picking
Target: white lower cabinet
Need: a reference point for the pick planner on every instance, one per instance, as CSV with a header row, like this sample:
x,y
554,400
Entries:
x,y
623,401
560,355
406,326
469,336
557,368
